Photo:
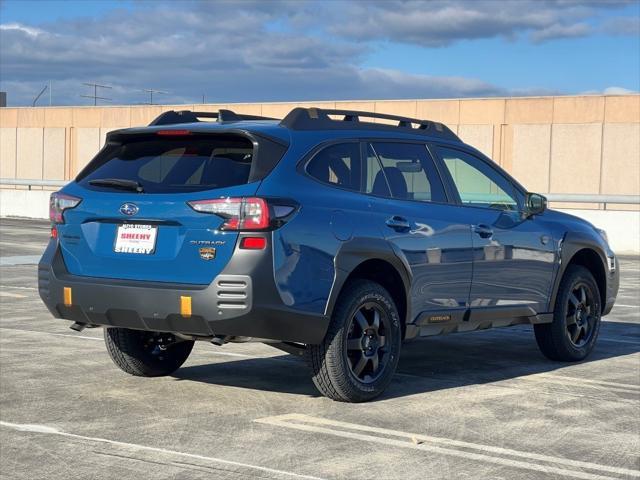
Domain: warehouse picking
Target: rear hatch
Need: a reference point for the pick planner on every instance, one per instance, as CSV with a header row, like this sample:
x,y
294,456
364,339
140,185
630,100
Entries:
x,y
134,221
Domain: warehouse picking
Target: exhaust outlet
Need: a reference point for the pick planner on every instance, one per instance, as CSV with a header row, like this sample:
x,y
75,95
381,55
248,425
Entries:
x,y
219,340
78,327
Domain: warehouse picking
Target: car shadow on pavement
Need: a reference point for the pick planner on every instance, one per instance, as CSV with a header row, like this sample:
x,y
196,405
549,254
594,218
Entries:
x,y
282,373
432,364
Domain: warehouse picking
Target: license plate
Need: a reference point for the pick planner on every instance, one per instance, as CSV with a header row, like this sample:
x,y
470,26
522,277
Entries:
x,y
134,238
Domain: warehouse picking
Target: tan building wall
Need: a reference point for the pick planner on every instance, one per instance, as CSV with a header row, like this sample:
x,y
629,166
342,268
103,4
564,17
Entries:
x,y
581,144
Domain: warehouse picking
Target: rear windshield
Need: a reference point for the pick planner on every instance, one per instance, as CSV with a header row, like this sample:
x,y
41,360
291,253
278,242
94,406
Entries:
x,y
180,164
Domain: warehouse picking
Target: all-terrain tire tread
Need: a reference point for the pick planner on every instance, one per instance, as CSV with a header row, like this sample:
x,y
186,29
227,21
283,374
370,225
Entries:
x,y
551,337
125,350
325,359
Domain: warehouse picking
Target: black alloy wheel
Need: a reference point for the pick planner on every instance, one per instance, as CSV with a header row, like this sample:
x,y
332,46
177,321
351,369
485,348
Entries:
x,y
577,313
359,354
581,314
367,351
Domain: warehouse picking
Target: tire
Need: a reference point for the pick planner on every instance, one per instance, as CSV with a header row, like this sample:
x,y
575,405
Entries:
x,y
139,353
337,363
576,318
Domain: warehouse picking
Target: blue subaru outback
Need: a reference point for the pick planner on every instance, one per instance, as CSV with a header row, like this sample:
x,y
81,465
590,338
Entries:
x,y
322,234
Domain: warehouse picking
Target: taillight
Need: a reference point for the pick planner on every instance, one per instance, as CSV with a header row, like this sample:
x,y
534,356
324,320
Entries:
x,y
58,203
247,213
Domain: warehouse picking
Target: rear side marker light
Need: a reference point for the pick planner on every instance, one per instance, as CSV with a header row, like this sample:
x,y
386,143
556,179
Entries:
x,y
185,306
54,232
253,243
68,300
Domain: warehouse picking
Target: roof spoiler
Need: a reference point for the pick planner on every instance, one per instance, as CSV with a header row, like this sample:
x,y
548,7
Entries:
x,y
321,119
173,117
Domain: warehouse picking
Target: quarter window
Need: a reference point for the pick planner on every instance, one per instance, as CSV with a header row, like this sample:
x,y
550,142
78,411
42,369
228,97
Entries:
x,y
477,183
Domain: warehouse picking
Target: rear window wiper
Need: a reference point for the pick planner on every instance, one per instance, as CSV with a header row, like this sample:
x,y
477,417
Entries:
x,y
121,183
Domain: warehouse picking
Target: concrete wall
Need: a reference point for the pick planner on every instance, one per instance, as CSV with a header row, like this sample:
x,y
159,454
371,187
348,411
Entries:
x,y
583,144
579,144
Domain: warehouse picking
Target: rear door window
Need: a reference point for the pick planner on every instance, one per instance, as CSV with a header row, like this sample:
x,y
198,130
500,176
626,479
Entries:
x,y
166,165
406,172
376,183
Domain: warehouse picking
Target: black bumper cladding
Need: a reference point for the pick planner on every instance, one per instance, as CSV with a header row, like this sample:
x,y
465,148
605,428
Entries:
x,y
246,304
613,284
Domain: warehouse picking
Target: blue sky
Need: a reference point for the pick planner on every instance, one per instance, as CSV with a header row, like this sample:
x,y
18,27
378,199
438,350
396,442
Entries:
x,y
310,50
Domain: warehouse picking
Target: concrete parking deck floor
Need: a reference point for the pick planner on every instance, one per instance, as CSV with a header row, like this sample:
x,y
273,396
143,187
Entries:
x,y
477,405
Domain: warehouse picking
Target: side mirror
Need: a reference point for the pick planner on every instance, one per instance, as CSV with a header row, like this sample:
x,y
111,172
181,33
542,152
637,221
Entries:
x,y
534,204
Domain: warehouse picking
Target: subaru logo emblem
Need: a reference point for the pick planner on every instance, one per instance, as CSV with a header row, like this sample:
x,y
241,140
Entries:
x,y
129,209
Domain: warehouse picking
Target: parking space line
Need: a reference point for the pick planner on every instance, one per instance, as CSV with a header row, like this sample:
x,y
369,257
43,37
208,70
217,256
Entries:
x,y
84,337
519,331
47,430
541,377
446,446
21,330
18,288
11,295
584,382
615,340
20,260
595,382
70,335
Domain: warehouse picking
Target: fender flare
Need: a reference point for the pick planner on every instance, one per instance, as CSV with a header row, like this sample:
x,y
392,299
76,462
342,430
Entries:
x,y
572,243
354,252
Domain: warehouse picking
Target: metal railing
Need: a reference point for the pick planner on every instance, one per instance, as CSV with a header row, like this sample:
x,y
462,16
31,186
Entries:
x,y
33,183
552,197
604,200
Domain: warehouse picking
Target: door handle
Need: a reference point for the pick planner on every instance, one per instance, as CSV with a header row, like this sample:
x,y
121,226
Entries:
x,y
483,231
398,223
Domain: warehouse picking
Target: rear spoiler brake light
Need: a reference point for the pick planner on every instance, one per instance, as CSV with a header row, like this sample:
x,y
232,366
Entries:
x,y
173,133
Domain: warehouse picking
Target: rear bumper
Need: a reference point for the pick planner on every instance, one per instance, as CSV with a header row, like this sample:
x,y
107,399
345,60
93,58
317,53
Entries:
x,y
242,301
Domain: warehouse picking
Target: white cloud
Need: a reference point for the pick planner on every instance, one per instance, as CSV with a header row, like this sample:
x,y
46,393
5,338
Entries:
x,y
623,25
31,31
260,51
225,53
561,31
610,91
437,23
617,91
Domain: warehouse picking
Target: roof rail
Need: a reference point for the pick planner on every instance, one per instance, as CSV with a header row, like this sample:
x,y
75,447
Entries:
x,y
171,117
319,119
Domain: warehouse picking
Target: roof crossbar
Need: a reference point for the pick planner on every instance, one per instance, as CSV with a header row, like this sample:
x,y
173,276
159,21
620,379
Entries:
x,y
172,117
320,119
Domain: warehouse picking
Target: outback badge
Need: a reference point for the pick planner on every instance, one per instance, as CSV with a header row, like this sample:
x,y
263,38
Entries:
x,y
207,253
